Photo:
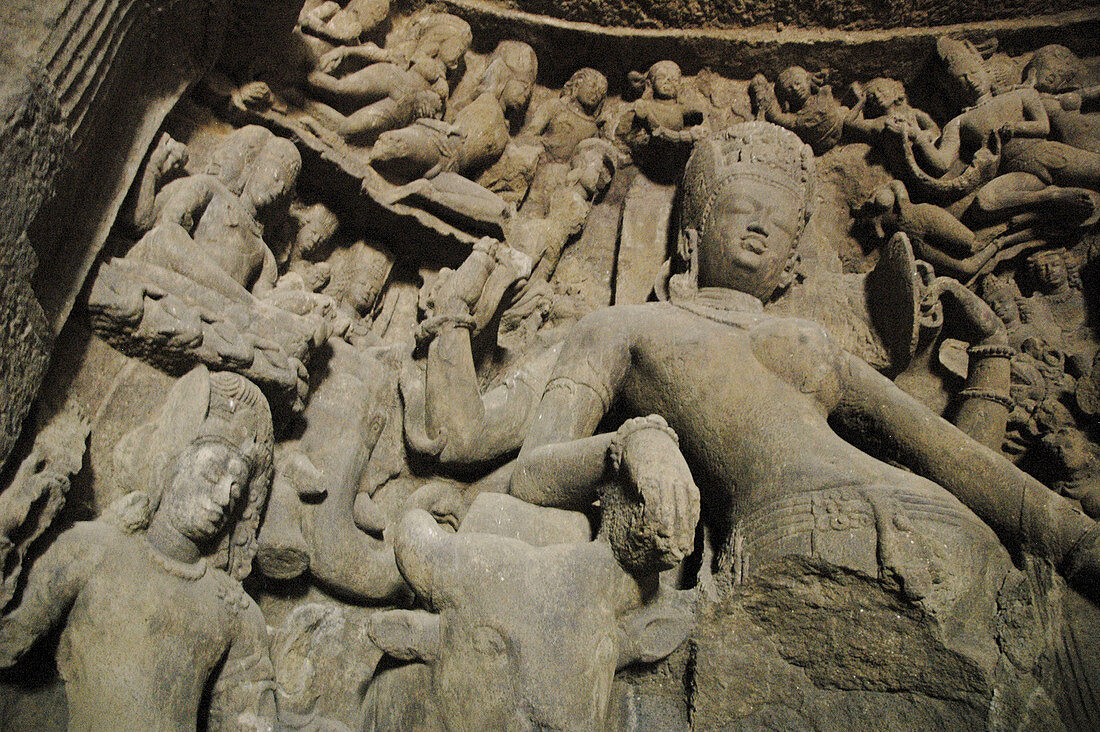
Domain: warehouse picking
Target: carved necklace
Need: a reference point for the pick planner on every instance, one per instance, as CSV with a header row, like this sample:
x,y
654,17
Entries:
x,y
721,305
187,572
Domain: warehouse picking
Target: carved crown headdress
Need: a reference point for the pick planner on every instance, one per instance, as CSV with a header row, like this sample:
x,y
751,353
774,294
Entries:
x,y
203,405
760,151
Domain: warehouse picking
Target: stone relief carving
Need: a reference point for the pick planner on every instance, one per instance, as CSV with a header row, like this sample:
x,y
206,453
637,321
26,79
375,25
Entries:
x,y
449,382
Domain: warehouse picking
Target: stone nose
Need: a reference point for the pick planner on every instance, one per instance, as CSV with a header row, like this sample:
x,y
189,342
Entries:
x,y
223,491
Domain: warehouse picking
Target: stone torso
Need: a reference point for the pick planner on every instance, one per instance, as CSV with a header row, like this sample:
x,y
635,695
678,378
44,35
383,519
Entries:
x,y
141,642
565,131
750,401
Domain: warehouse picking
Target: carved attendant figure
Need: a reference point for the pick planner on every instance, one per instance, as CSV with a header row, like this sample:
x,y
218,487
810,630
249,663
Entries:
x,y
151,616
210,227
396,87
1037,173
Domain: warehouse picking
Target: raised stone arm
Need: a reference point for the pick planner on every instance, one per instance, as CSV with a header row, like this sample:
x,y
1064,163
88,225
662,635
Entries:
x,y
184,201
446,415
985,401
1024,513
167,159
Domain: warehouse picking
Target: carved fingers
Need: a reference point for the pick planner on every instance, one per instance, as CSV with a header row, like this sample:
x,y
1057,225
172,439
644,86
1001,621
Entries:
x,y
330,61
652,468
974,313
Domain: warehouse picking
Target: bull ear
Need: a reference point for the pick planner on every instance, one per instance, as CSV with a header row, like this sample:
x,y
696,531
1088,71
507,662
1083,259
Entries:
x,y
656,629
407,635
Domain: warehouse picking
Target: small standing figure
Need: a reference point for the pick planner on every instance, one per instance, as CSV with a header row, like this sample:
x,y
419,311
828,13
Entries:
x,y
663,112
560,126
1058,300
151,616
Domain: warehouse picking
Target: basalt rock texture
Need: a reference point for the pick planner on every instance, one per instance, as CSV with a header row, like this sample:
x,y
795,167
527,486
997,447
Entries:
x,y
85,86
595,366
844,15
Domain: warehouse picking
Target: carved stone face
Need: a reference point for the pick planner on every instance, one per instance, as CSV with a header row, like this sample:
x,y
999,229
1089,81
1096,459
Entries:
x,y
1055,69
1049,270
749,237
665,77
273,175
1005,306
510,75
210,479
972,79
317,226
589,89
796,86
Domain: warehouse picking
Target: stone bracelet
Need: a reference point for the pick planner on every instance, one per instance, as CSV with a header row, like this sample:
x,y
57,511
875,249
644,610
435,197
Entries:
x,y
430,328
991,350
636,424
989,395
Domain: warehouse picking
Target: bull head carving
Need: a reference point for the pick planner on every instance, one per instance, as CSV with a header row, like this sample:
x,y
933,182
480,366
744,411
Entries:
x,y
523,637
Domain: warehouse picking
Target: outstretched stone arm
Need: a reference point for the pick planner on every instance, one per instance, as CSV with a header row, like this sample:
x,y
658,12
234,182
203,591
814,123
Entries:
x,y
560,464
1023,512
53,583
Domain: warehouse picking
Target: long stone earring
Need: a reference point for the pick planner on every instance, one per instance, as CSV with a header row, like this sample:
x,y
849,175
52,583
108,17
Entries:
x,y
686,284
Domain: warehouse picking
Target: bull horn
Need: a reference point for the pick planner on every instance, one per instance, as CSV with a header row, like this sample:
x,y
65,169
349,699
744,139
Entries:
x,y
427,557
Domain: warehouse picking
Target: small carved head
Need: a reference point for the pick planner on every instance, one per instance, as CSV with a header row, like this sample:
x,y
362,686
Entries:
x,y
968,79
1048,269
794,87
273,175
209,478
593,165
317,225
510,75
588,87
883,96
747,196
663,79
1002,296
444,37
1055,69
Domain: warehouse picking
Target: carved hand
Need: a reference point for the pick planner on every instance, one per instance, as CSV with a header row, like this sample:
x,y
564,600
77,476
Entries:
x,y
331,61
982,323
651,463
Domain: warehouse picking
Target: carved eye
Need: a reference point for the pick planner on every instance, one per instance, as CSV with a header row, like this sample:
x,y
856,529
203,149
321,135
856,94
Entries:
x,y
489,641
